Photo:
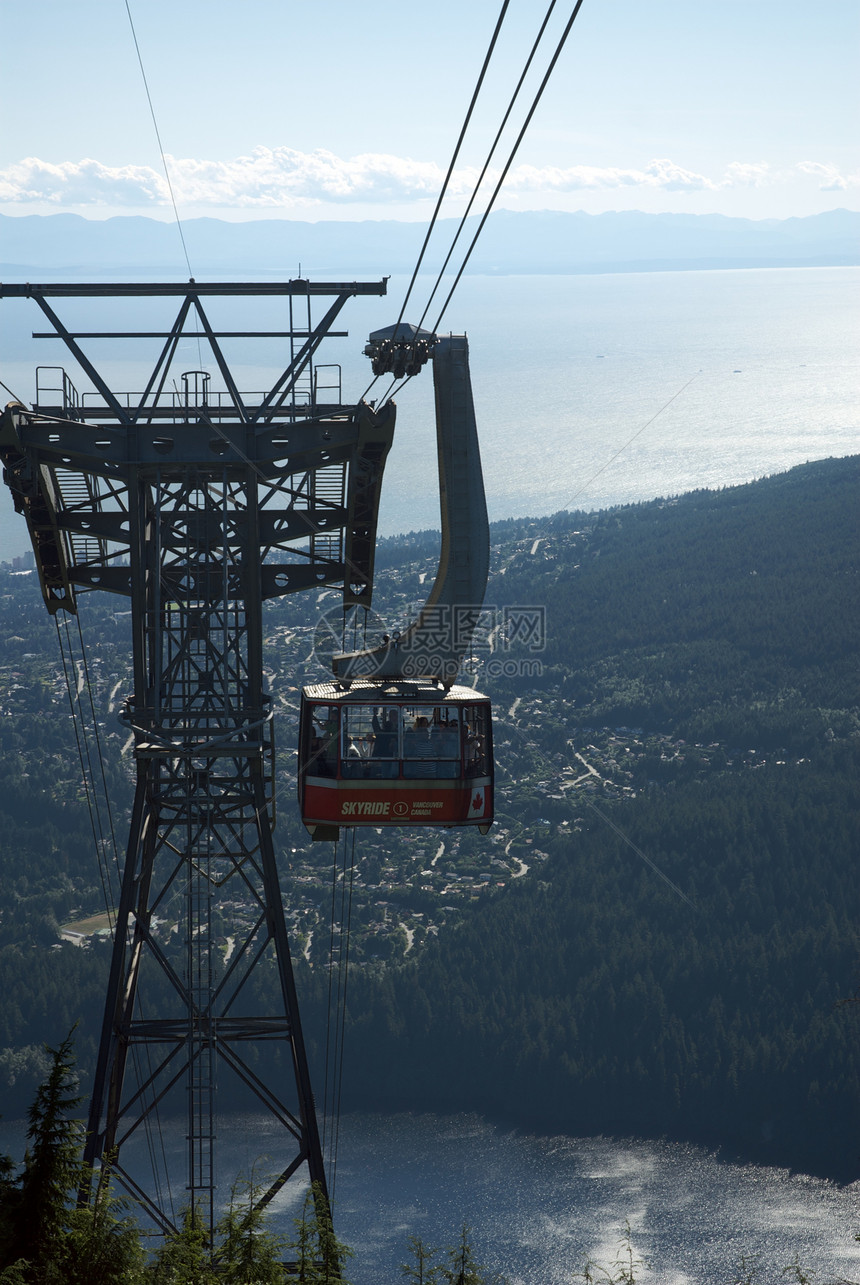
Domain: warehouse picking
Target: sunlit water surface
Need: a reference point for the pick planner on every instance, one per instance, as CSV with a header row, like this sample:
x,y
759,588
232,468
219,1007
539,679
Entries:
x,y
538,1208
589,390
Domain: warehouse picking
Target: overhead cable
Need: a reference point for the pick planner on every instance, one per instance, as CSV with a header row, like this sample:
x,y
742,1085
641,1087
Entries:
x,y
490,155
13,395
82,725
630,440
444,189
343,872
88,779
158,137
345,965
532,109
510,160
329,1052
99,753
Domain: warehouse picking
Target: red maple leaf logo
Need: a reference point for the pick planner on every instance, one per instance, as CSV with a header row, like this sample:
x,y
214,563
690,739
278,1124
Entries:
x,y
477,801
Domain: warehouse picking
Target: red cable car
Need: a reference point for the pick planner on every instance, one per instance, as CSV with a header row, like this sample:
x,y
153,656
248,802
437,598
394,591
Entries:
x,y
390,741
392,754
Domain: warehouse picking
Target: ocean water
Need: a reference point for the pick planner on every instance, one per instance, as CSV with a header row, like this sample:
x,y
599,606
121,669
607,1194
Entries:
x,y
589,390
602,390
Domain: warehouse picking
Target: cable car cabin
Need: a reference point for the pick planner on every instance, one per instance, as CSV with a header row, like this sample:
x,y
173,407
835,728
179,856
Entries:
x,y
384,753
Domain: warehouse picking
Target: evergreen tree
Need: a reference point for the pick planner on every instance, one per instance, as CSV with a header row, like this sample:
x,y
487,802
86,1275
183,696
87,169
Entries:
x,y
249,1253
8,1203
183,1258
462,1268
103,1240
45,1236
422,1273
37,1207
321,1256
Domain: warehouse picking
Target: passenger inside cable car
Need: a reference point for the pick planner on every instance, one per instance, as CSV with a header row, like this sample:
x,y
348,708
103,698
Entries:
x,y
394,754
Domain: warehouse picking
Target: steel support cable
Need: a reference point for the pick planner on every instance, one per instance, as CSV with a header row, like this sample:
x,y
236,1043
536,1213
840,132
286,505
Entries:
x,y
490,155
345,953
629,442
164,165
550,768
107,888
104,868
99,843
99,753
395,385
11,393
328,1028
398,386
147,1123
443,190
95,822
336,1014
585,485
626,839
550,69
337,1058
456,153
158,137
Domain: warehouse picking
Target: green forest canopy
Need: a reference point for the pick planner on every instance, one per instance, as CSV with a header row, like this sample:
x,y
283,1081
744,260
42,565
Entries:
x,y
714,636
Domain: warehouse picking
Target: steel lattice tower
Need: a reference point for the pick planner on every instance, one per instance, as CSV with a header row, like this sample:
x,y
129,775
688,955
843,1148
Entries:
x,y
199,506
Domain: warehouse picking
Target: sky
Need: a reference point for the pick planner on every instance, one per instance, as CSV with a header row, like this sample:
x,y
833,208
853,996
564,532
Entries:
x,y
334,109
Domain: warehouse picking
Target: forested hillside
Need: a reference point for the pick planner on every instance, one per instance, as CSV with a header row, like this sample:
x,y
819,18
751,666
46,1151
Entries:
x,y
688,711
714,637
595,1000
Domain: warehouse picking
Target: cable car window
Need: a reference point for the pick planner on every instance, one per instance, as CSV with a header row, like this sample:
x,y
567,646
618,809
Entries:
x,y
322,747
369,741
431,742
477,740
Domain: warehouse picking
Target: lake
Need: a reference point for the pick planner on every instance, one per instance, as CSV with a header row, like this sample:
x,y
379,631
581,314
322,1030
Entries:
x,y
537,1207
589,390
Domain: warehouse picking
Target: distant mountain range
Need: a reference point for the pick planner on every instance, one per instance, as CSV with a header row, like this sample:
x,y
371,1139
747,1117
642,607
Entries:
x,y
511,243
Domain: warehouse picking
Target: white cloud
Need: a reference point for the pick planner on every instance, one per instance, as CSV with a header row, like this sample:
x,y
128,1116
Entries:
x,y
831,179
744,174
673,178
658,174
85,182
281,177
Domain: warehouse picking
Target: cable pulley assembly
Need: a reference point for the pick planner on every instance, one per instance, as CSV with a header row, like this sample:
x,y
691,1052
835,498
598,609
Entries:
x,y
398,350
